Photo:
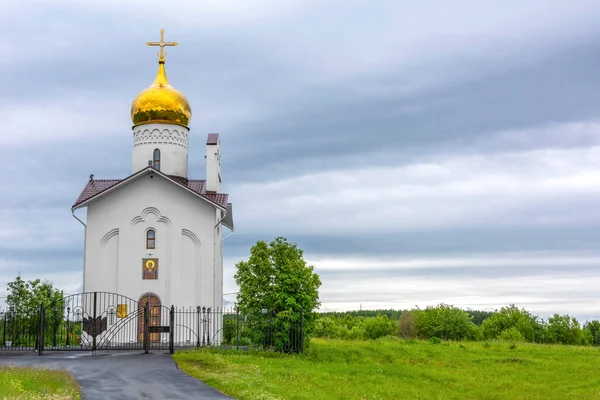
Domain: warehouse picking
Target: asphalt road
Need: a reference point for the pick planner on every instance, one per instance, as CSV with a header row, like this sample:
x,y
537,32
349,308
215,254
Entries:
x,y
121,375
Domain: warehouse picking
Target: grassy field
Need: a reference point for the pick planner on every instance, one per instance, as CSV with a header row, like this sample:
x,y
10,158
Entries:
x,y
397,369
33,383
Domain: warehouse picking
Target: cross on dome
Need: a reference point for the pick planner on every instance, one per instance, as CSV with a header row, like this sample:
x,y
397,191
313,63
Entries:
x,y
161,44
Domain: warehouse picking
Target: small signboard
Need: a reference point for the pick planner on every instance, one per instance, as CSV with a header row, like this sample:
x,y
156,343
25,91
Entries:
x,y
159,329
121,310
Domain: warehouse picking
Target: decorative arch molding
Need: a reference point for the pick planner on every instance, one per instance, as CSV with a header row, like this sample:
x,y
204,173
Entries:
x,y
197,264
150,210
170,136
191,235
109,235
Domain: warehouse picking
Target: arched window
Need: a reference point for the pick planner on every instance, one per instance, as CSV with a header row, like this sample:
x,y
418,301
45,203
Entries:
x,y
156,159
112,313
150,239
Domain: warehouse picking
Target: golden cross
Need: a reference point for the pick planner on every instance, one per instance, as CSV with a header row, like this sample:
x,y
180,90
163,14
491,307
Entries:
x,y
162,44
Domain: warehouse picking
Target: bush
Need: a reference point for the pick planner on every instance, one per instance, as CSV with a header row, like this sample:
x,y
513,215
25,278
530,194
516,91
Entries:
x,y
511,334
593,327
229,328
406,325
443,321
511,317
379,326
564,329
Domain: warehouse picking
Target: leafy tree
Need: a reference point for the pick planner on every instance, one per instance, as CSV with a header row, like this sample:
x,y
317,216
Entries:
x,y
379,326
511,334
392,314
23,303
406,325
276,279
479,316
25,298
508,317
594,328
564,329
445,322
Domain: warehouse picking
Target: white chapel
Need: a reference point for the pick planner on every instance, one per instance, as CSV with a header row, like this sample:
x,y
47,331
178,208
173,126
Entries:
x,y
157,235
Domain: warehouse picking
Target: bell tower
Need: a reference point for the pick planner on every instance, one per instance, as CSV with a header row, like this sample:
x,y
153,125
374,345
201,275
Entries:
x,y
160,116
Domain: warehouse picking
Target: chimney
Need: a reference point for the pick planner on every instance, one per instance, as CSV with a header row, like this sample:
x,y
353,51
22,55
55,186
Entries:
x,y
213,163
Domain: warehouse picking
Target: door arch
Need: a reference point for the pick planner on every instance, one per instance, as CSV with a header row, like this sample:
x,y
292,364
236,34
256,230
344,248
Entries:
x,y
154,318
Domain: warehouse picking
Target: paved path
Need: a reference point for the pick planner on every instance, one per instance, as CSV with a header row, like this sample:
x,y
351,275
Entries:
x,y
122,376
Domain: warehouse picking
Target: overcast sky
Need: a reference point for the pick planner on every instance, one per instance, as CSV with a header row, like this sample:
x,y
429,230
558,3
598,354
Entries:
x,y
419,152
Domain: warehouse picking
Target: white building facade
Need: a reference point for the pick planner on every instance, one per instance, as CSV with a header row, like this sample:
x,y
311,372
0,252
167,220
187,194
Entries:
x,y
157,235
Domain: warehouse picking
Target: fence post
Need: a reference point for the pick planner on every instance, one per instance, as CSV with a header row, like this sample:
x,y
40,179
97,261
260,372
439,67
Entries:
x,y
68,325
94,323
208,326
198,326
172,331
41,334
146,322
203,326
237,330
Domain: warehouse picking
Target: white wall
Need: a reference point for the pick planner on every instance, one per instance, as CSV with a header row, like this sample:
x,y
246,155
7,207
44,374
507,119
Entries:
x,y
171,140
184,225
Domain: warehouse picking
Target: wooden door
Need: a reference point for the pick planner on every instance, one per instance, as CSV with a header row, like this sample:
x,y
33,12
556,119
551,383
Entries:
x,y
154,318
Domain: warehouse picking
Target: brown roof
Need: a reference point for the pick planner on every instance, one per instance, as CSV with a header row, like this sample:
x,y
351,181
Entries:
x,y
213,138
97,186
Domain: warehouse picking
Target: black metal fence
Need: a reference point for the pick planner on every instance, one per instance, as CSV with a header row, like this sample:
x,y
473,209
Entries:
x,y
230,328
107,321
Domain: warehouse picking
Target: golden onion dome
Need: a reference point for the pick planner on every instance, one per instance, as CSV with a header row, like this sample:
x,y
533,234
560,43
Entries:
x,y
161,103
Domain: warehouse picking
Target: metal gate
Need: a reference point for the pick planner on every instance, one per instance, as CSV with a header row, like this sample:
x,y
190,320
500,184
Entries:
x,y
106,321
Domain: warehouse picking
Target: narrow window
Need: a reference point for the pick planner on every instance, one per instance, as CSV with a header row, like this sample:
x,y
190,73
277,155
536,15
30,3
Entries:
x,y
112,313
150,239
156,159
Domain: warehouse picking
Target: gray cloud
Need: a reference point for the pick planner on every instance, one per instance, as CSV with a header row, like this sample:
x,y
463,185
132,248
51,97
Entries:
x,y
366,133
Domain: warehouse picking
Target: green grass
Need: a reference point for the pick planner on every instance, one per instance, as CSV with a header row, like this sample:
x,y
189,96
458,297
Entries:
x,y
34,383
397,369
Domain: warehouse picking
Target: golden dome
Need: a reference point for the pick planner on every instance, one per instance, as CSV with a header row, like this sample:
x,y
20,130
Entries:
x,y
161,103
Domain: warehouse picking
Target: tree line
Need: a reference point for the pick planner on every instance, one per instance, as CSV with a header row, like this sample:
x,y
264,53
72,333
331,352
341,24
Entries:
x,y
447,322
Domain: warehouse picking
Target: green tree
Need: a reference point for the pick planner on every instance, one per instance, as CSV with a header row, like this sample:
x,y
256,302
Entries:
x,y
379,326
444,322
25,298
594,328
406,325
564,329
277,281
23,303
509,317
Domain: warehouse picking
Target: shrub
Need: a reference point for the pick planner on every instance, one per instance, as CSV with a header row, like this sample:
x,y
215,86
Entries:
x,y
379,326
229,328
406,325
509,317
511,334
325,327
443,321
564,329
593,327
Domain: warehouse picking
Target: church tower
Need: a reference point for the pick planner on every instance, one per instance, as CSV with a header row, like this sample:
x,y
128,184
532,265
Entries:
x,y
157,235
161,115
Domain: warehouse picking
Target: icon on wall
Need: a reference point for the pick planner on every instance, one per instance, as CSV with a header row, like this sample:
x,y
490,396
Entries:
x,y
150,268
